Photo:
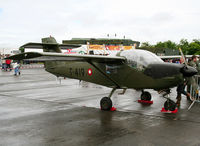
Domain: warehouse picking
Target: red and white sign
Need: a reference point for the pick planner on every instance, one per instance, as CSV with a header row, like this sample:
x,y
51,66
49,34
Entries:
x,y
70,51
89,71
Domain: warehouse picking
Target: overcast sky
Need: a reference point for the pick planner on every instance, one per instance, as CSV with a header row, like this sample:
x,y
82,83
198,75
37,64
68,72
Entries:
x,y
23,21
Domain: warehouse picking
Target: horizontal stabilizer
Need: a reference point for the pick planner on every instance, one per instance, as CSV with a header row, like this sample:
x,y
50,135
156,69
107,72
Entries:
x,y
43,45
23,56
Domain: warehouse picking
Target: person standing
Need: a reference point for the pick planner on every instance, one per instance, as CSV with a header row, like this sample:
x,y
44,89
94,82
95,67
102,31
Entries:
x,y
181,90
198,69
3,64
8,62
191,80
193,61
16,68
0,60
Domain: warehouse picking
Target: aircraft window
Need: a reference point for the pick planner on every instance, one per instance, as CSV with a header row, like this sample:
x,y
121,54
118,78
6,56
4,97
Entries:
x,y
140,58
111,69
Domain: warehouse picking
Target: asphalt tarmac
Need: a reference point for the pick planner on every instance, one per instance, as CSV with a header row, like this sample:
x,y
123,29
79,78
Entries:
x,y
36,110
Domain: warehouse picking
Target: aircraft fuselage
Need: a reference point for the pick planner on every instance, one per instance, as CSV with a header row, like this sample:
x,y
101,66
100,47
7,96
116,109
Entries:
x,y
117,75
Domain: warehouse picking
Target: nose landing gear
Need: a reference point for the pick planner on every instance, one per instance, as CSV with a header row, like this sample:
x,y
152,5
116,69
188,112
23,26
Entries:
x,y
169,105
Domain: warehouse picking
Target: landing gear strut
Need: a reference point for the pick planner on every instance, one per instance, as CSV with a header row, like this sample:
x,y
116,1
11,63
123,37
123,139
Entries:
x,y
145,96
106,102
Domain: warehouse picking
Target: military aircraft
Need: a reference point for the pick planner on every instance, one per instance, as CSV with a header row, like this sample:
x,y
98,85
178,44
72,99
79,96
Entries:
x,y
133,69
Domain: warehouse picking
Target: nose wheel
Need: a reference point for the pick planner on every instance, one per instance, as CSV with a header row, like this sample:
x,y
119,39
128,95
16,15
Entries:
x,y
169,105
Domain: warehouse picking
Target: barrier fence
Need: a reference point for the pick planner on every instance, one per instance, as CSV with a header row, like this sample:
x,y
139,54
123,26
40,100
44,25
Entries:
x,y
194,90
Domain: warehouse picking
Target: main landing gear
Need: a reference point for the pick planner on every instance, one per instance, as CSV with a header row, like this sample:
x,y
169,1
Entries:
x,y
146,96
106,102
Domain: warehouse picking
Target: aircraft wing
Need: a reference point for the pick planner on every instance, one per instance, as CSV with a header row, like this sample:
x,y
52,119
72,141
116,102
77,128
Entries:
x,y
41,45
170,57
46,56
175,57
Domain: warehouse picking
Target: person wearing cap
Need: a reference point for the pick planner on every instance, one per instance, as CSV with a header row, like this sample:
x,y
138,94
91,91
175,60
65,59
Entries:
x,y
193,62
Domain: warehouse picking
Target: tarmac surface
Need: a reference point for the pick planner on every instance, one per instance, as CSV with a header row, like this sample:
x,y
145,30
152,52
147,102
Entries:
x,y
36,110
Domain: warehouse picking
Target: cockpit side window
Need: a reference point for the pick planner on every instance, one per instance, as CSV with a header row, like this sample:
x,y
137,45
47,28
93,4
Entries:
x,y
132,63
135,65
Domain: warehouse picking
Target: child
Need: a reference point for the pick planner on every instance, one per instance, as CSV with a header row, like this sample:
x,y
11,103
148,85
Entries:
x,y
16,68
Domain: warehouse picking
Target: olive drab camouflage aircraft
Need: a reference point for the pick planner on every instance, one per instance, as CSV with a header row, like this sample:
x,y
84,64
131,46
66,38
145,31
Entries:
x,y
133,69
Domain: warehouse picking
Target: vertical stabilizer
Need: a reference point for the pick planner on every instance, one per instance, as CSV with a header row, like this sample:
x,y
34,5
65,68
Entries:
x,y
50,45
49,40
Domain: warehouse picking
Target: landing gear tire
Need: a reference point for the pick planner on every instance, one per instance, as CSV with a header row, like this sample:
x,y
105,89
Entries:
x,y
170,105
146,96
106,103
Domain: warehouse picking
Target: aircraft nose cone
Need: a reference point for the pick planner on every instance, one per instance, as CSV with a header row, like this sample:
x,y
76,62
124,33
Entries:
x,y
188,71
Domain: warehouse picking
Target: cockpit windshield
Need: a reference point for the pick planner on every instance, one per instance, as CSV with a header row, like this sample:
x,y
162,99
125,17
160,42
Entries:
x,y
140,58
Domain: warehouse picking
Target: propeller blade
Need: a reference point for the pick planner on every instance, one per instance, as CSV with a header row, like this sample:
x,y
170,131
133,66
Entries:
x,y
185,62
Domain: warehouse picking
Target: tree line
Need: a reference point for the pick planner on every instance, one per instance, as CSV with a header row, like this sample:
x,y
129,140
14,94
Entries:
x,y
188,48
